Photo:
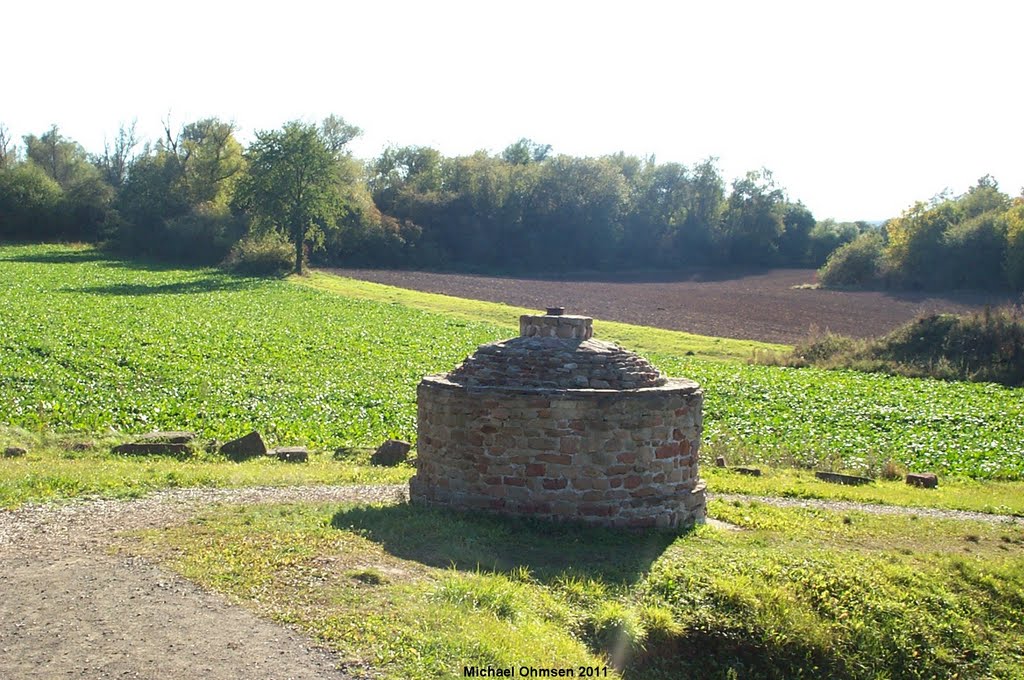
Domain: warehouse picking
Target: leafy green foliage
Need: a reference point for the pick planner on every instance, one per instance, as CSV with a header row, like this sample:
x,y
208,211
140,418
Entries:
x,y
89,343
967,241
983,347
857,263
854,420
260,255
293,183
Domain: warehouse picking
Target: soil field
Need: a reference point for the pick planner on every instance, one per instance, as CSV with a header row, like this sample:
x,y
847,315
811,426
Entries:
x,y
752,305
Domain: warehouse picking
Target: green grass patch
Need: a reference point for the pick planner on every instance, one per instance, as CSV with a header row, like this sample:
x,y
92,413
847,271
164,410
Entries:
x,y
957,493
70,465
791,593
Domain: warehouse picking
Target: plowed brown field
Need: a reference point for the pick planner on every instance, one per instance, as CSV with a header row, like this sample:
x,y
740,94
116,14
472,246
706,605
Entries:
x,y
753,305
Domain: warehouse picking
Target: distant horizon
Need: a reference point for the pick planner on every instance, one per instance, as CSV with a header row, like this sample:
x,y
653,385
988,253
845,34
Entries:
x,y
859,111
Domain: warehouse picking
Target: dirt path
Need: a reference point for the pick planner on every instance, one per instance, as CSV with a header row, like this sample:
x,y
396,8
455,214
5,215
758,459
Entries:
x,y
70,608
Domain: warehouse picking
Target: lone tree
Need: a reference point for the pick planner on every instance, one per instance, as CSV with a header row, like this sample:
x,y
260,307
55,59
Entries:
x,y
293,184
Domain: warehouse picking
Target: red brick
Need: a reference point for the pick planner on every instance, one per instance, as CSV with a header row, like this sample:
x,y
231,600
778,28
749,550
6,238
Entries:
x,y
536,469
627,458
667,451
514,481
552,483
556,458
633,481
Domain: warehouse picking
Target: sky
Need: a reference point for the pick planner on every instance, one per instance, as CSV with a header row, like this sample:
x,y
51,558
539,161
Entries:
x,y
858,108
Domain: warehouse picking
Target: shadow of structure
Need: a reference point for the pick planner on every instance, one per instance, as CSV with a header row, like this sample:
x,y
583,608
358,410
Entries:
x,y
465,541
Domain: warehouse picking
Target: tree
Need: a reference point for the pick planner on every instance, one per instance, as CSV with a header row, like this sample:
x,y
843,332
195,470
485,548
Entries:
x,y
525,151
63,159
207,159
292,184
118,156
30,203
8,152
753,219
1014,220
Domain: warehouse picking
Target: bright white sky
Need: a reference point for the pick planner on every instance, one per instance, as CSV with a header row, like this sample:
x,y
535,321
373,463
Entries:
x,y
859,108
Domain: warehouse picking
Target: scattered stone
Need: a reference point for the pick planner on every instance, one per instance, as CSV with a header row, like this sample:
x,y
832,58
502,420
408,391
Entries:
x,y
390,453
151,449
167,438
926,480
837,478
720,461
290,454
249,446
14,452
753,472
158,444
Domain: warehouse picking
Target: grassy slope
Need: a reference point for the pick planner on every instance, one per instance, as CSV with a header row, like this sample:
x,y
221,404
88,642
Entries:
x,y
792,593
638,338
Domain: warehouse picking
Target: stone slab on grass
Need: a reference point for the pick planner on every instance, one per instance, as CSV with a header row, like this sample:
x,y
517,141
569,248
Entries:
x,y
390,453
290,454
925,480
249,446
837,478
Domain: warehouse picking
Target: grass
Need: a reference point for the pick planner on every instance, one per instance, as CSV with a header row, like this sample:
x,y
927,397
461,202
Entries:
x,y
955,493
72,465
791,593
99,346
638,338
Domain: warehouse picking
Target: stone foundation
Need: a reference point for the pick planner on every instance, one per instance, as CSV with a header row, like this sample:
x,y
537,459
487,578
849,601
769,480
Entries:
x,y
621,458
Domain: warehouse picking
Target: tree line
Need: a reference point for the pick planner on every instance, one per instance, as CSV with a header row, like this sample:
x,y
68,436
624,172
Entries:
x,y
196,194
971,241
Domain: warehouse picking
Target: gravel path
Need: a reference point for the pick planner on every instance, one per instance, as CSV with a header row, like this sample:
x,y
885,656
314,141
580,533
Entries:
x,y
69,608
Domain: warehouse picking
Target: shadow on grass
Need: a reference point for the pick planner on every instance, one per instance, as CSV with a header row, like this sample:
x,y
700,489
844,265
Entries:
x,y
57,257
210,284
480,541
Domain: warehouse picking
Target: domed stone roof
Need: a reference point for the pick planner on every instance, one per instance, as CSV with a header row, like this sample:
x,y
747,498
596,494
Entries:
x,y
556,352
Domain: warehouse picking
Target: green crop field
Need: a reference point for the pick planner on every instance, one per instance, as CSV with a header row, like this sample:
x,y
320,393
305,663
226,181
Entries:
x,y
89,343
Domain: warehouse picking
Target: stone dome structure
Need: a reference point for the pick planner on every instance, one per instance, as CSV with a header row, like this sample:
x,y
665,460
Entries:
x,y
557,424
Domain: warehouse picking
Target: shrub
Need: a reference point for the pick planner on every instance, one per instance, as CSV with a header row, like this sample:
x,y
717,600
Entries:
x,y
857,263
266,255
977,250
204,236
1014,264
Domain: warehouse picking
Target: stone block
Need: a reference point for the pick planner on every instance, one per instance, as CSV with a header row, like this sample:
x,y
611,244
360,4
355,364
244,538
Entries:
x,y
249,446
390,453
926,480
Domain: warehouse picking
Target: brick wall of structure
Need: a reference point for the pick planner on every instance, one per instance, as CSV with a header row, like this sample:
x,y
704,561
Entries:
x,y
610,457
